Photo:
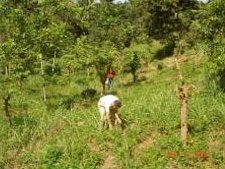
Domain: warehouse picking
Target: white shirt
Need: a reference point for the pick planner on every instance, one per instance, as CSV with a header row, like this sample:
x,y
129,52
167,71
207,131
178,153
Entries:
x,y
107,101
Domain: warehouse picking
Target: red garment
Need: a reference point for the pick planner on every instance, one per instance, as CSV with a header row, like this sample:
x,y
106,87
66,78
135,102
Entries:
x,y
111,74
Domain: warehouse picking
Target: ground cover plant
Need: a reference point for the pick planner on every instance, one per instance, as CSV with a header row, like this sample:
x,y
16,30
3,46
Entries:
x,y
48,135
169,61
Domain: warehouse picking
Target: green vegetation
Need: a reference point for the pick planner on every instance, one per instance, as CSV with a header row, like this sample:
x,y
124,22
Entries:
x,y
47,135
51,51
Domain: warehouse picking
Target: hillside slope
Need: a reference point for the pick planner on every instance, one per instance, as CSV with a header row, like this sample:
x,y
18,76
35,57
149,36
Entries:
x,y
50,136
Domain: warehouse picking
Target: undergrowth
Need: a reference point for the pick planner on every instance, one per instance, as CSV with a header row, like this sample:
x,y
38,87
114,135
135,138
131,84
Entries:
x,y
51,135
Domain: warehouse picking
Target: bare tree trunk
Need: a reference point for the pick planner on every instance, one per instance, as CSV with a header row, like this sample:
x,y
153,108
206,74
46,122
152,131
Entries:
x,y
184,122
102,79
102,88
44,92
182,94
43,85
88,72
179,71
134,76
70,72
6,98
42,67
53,62
6,108
7,70
19,83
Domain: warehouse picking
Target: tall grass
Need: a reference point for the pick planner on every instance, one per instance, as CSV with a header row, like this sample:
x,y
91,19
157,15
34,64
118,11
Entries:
x,y
48,135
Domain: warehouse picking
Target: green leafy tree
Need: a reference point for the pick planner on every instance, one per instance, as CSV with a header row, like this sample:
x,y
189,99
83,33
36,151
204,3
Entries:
x,y
33,38
107,21
169,21
14,54
51,37
134,56
89,55
212,31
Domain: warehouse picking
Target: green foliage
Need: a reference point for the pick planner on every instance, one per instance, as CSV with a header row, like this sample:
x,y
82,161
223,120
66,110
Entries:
x,y
212,33
168,17
51,158
218,157
65,46
53,137
134,56
91,56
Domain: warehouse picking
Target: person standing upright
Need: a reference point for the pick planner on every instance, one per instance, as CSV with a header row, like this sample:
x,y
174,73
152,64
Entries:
x,y
109,77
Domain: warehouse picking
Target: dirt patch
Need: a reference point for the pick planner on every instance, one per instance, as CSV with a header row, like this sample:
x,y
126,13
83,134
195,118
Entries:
x,y
56,128
108,158
146,143
109,161
93,146
170,62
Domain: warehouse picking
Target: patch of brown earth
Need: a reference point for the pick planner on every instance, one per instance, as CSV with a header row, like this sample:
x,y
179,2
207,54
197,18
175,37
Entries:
x,y
109,161
146,143
108,158
170,62
93,146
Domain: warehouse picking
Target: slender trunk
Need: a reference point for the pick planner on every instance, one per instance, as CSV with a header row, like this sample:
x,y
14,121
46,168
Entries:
x,y
134,76
53,62
182,94
44,92
42,67
102,79
102,89
179,70
7,70
6,98
6,108
19,83
184,122
71,106
88,72
43,85
69,74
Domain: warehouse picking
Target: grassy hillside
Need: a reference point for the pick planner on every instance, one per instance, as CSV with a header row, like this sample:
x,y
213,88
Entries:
x,y
50,136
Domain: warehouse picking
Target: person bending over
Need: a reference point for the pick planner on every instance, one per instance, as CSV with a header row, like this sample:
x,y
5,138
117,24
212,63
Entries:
x,y
109,111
